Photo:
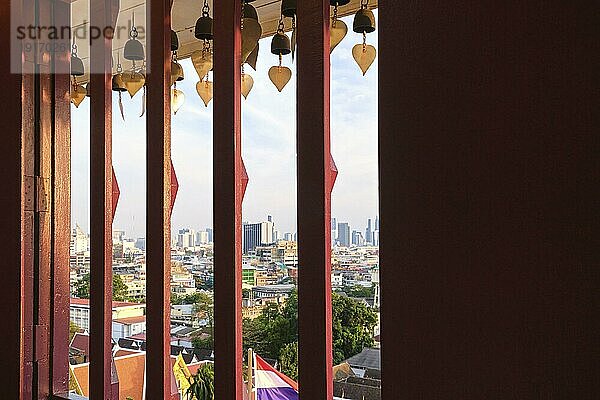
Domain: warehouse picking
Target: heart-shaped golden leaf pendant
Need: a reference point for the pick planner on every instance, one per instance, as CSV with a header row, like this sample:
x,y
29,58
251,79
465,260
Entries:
x,y
78,94
364,55
247,83
253,57
205,91
133,81
203,62
338,30
280,76
250,35
177,99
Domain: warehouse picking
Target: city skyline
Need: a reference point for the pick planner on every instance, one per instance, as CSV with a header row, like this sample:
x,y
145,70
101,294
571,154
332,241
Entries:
x,y
209,229
269,149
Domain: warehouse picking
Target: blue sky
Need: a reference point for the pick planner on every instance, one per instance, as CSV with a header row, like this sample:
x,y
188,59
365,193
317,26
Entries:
x,y
268,146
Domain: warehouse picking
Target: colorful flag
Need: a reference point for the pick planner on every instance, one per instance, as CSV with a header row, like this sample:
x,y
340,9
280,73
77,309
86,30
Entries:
x,y
271,384
182,373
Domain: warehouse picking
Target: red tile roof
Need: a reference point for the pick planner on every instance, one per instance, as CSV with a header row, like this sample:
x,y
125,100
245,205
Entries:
x,y
131,320
115,304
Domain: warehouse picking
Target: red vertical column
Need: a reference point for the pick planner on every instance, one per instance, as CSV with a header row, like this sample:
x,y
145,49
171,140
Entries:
x,y
228,195
100,205
158,200
315,181
61,219
12,199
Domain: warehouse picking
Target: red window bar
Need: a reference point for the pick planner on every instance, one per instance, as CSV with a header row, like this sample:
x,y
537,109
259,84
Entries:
x,y
61,196
103,13
158,203
229,185
316,176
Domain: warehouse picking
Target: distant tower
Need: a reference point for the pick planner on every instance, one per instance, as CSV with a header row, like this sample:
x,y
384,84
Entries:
x,y
369,232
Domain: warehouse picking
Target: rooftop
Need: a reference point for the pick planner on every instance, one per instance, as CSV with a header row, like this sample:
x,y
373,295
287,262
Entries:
x,y
115,304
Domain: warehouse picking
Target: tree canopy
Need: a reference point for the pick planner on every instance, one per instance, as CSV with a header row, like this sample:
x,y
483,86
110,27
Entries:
x,y
82,288
274,333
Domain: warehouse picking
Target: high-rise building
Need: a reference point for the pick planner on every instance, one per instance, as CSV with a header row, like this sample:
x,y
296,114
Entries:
x,y
201,238
343,234
357,238
369,232
250,237
186,238
79,240
259,234
210,234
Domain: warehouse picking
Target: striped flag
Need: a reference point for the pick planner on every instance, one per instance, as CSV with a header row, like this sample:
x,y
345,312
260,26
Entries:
x,y
271,384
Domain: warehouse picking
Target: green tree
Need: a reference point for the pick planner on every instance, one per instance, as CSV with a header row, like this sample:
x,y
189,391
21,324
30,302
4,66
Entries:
x,y
288,360
352,325
359,291
203,384
273,333
73,329
82,288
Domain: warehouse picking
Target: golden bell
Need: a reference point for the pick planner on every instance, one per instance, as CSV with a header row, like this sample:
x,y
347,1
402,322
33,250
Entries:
x,y
77,68
364,21
288,8
133,50
280,45
176,72
204,28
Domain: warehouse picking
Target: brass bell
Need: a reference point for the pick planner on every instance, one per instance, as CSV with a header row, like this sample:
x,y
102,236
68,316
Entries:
x,y
280,45
77,68
204,28
250,12
174,41
176,72
336,3
117,84
288,8
133,50
364,21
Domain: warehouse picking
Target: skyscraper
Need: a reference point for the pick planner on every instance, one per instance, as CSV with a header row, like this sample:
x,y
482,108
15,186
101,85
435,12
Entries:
x,y
369,232
250,237
259,234
357,238
186,238
344,234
